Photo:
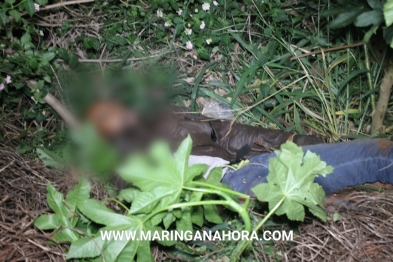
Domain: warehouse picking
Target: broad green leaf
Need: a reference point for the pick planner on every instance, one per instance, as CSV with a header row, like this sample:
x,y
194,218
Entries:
x,y
197,216
47,222
388,12
85,247
48,56
26,38
61,218
345,18
185,223
291,179
15,14
145,202
170,173
10,1
33,63
369,18
42,2
80,193
375,4
55,200
73,60
120,247
3,18
99,213
49,158
168,220
128,194
211,214
29,6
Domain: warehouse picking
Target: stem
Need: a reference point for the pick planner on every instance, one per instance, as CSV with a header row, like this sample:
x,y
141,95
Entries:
x,y
198,203
118,202
243,244
242,210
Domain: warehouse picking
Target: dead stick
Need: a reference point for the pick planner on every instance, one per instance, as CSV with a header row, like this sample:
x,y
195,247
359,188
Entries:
x,y
65,3
328,50
58,107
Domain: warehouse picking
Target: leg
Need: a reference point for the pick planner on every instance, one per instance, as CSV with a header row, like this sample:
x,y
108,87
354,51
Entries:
x,y
356,162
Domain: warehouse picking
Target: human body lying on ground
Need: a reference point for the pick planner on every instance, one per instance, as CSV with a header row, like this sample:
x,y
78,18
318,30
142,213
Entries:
x,y
355,162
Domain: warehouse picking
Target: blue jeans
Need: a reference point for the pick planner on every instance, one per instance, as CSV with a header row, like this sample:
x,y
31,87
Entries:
x,y
356,162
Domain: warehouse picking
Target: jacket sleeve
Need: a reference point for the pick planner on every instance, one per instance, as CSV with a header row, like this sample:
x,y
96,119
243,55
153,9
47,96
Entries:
x,y
258,139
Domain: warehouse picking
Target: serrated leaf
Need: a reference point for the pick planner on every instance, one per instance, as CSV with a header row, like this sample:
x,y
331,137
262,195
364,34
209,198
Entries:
x,y
170,173
291,182
47,222
79,194
49,158
146,202
99,213
63,215
124,248
128,194
29,6
388,12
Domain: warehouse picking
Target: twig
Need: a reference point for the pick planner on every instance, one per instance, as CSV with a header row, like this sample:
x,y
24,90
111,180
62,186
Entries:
x,y
58,107
328,50
65,3
119,60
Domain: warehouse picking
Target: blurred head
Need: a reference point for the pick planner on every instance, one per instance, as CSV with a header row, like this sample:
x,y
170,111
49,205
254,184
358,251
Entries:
x,y
111,118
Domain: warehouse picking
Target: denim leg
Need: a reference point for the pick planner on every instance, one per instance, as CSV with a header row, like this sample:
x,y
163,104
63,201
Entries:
x,y
356,162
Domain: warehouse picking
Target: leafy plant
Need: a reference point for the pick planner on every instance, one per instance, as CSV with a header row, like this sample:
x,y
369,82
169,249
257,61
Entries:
x,y
65,218
171,195
371,14
290,187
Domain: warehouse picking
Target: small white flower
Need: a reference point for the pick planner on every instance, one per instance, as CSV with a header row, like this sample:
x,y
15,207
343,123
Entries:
x,y
206,6
189,25
8,79
189,45
41,33
1,86
203,25
215,3
36,7
44,112
179,12
196,10
188,31
195,57
167,24
209,41
160,13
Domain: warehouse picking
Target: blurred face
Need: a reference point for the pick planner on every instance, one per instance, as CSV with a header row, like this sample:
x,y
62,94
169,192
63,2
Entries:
x,y
111,118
